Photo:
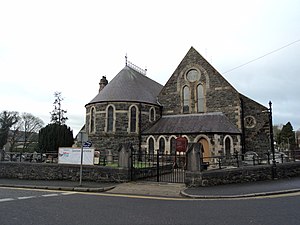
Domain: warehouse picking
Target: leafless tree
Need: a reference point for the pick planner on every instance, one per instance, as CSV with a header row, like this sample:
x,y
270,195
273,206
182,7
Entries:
x,y
25,132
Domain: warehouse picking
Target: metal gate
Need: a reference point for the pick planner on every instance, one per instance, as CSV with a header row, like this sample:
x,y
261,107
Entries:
x,y
158,167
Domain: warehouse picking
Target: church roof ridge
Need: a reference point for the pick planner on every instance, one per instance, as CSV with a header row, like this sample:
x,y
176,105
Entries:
x,y
194,114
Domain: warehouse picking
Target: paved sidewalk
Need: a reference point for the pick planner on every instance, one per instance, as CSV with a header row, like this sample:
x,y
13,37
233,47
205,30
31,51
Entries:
x,y
57,185
261,188
149,189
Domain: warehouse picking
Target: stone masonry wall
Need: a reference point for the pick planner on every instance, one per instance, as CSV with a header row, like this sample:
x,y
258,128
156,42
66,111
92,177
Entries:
x,y
242,174
220,96
42,171
104,141
257,135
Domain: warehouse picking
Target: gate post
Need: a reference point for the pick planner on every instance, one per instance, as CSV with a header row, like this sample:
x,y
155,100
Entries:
x,y
193,157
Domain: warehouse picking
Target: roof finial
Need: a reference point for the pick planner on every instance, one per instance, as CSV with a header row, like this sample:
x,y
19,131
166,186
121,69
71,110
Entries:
x,y
126,59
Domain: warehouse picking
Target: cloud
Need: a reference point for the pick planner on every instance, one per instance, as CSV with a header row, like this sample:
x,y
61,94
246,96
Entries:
x,y
68,46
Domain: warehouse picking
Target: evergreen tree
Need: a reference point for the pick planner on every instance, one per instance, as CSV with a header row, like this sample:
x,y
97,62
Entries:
x,y
7,120
56,134
276,132
287,136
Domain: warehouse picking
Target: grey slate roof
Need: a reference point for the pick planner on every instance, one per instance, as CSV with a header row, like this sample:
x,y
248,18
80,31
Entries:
x,y
193,123
129,85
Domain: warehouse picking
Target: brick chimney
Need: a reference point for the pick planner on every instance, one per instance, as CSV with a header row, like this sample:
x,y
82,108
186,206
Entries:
x,y
103,83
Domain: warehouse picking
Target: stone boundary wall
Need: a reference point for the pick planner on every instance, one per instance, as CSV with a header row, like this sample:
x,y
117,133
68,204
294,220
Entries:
x,y
42,171
241,174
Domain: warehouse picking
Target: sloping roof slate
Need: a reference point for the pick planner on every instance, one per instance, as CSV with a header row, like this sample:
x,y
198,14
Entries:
x,y
129,85
193,123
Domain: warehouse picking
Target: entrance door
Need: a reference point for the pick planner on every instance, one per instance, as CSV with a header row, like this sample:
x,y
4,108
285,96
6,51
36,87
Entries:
x,y
205,150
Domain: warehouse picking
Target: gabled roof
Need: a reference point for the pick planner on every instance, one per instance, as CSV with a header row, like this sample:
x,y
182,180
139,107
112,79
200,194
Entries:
x,y
129,85
193,123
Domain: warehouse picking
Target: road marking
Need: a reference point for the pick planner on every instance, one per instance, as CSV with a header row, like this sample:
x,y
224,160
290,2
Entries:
x,y
6,199
190,199
56,194
68,193
26,197
281,195
140,196
38,189
50,195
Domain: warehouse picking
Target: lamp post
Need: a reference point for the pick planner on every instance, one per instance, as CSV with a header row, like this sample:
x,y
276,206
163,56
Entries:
x,y
272,140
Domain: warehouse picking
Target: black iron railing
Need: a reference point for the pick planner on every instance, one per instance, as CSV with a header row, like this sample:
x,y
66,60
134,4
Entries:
x,y
144,159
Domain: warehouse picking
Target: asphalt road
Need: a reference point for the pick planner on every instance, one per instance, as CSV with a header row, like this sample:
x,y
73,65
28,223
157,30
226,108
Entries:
x,y
18,206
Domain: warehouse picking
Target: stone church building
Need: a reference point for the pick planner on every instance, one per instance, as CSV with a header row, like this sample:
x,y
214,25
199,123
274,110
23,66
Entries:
x,y
197,102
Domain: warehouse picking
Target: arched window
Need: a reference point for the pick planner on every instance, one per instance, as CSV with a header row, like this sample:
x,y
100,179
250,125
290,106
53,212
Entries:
x,y
133,120
162,145
173,145
151,146
200,98
227,147
92,121
110,119
186,99
152,114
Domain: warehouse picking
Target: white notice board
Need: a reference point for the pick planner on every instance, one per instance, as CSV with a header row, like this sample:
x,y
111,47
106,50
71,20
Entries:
x,y
73,156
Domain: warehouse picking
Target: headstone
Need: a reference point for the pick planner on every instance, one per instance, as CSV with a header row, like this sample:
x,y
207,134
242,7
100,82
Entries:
x,y
109,156
124,155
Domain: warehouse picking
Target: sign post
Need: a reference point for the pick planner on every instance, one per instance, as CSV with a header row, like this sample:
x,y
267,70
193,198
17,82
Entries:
x,y
81,159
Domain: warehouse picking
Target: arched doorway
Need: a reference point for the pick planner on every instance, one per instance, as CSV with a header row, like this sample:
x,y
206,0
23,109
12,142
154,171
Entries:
x,y
205,149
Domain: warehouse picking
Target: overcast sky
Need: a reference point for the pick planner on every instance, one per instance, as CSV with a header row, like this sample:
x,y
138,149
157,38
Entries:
x,y
67,46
